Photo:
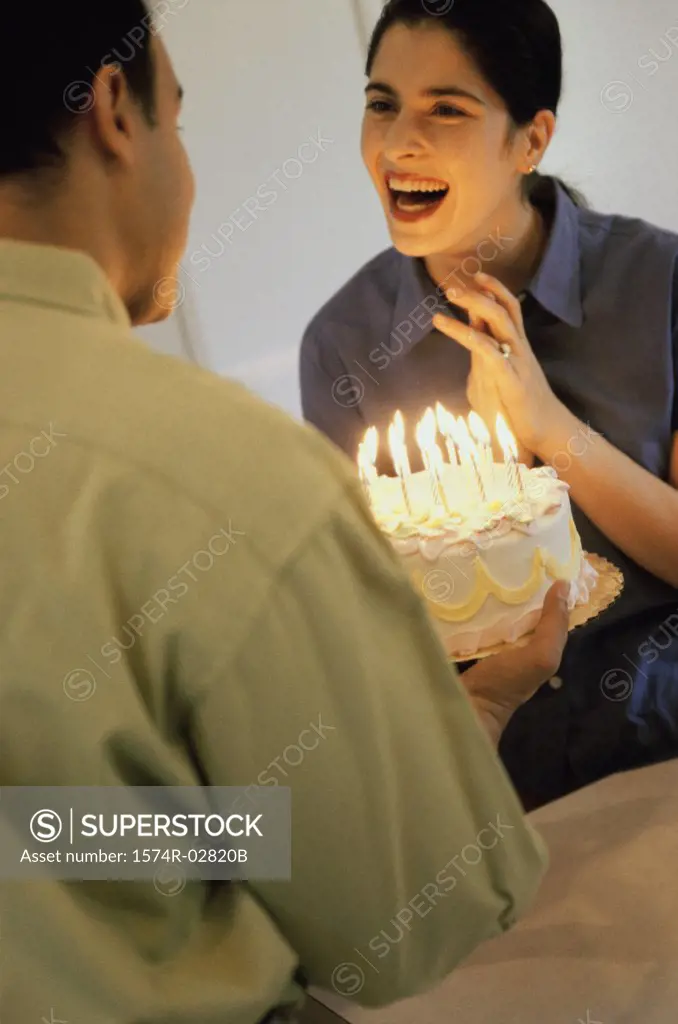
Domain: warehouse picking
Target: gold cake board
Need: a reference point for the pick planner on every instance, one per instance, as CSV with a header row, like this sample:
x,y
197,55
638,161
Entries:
x,y
604,593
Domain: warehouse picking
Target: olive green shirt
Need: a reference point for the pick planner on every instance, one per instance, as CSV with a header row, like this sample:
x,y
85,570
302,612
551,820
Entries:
x,y
193,592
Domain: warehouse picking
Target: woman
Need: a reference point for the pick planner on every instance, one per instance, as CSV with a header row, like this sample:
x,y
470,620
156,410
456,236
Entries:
x,y
461,108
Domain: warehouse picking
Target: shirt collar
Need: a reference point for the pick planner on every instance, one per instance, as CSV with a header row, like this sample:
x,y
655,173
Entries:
x,y
62,278
556,285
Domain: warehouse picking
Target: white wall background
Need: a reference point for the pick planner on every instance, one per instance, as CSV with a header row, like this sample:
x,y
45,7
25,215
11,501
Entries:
x,y
618,133
262,78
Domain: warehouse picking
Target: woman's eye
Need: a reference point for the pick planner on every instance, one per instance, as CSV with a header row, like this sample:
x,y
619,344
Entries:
x,y
379,106
446,110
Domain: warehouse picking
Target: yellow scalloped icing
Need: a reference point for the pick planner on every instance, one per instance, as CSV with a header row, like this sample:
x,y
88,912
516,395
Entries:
x,y
544,566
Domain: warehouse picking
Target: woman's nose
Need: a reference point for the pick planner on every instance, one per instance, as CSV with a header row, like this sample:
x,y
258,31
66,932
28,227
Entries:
x,y
404,139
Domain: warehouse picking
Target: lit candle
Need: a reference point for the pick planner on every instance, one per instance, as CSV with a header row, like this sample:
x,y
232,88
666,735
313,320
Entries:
x,y
482,436
446,426
510,450
396,440
466,482
469,456
432,457
367,456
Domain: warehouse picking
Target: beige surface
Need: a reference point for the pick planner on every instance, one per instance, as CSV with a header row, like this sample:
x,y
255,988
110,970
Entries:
x,y
602,942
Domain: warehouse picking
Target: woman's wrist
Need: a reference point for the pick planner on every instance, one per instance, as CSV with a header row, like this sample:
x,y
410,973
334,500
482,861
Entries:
x,y
559,441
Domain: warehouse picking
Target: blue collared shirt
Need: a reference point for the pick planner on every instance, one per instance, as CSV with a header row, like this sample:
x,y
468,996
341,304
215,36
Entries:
x,y
602,317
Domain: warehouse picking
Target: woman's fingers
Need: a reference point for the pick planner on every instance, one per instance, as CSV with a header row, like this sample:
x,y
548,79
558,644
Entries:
x,y
505,297
477,342
482,308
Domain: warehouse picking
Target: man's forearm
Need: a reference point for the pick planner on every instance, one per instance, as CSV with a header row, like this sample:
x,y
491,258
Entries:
x,y
497,686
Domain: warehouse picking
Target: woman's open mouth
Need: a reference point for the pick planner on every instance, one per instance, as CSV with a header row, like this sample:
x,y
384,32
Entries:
x,y
413,198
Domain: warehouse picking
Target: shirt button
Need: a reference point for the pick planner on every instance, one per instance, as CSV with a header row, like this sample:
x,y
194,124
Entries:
x,y
555,683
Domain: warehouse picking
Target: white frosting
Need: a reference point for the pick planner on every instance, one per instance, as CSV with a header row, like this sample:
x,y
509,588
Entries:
x,y
450,551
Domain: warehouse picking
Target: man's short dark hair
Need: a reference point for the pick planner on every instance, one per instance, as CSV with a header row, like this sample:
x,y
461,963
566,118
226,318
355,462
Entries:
x,y
51,55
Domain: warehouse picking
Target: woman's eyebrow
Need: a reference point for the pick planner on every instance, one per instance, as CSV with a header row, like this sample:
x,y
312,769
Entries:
x,y
434,91
381,87
454,90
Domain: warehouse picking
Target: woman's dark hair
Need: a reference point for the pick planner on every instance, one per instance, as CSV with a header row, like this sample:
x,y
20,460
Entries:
x,y
50,61
516,45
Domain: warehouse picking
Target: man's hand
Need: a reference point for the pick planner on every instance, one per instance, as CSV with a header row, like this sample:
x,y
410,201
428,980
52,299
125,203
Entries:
x,y
498,686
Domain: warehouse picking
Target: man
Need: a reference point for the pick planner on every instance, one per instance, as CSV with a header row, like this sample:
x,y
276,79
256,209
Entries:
x,y
121,468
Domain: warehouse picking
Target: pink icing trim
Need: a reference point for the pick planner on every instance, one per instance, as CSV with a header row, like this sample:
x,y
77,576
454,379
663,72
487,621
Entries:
x,y
508,629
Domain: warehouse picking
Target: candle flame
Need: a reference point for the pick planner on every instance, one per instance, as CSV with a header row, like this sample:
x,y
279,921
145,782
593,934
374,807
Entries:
x,y
432,457
469,456
430,421
463,441
446,421
394,444
506,438
426,431
396,441
478,428
367,454
372,444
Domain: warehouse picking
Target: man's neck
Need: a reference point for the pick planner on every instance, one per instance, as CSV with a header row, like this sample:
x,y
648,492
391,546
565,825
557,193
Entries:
x,y
64,221
510,250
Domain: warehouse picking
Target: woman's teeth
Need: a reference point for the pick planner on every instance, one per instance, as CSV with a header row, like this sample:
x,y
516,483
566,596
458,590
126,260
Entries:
x,y
417,196
417,186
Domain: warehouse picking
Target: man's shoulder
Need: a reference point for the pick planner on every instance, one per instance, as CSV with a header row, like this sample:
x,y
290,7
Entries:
x,y
178,428
369,293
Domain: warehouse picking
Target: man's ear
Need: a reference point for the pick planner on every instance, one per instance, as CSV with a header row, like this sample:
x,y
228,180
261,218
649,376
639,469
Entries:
x,y
114,113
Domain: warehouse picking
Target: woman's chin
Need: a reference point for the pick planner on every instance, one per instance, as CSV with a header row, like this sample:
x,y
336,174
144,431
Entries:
x,y
409,244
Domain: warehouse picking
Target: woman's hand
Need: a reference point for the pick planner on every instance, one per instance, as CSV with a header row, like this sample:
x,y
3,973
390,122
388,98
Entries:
x,y
515,386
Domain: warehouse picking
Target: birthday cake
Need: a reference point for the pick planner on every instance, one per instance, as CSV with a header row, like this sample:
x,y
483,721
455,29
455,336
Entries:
x,y
483,562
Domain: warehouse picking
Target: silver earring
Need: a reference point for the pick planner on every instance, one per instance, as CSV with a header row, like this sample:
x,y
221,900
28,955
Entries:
x,y
532,169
